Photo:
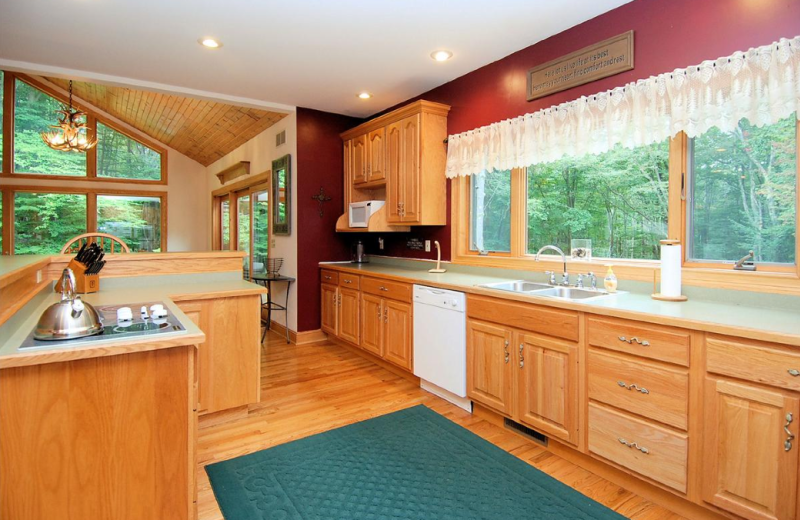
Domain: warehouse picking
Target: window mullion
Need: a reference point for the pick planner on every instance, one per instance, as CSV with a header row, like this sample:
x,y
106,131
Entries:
x,y
91,212
518,212
8,122
678,187
91,154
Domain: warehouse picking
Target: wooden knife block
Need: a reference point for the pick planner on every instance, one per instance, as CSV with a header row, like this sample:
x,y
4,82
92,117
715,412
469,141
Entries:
x,y
84,283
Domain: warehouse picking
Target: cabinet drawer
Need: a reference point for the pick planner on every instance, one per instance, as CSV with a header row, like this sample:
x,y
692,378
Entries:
x,y
640,339
753,362
643,447
350,281
652,390
328,276
387,289
544,320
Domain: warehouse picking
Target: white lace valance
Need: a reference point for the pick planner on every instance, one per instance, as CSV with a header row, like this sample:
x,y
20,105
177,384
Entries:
x,y
762,85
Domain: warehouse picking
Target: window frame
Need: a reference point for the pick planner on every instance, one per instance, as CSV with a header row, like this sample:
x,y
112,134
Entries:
x,y
777,278
8,169
9,191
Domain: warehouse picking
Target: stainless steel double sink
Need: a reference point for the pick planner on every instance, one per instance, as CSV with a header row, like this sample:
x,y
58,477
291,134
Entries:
x,y
543,289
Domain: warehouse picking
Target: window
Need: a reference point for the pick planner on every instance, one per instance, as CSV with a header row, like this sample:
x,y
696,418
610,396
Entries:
x,y
119,156
744,194
34,112
617,199
136,220
225,222
490,217
243,230
260,231
43,222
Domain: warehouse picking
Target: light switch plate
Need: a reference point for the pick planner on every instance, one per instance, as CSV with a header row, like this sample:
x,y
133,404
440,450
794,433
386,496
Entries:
x,y
427,246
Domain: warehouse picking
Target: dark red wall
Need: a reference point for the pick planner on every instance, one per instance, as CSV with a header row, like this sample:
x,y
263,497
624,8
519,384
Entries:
x,y
668,34
319,164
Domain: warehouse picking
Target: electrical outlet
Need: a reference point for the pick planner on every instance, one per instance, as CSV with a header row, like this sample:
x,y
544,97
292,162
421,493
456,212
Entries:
x,y
427,246
380,243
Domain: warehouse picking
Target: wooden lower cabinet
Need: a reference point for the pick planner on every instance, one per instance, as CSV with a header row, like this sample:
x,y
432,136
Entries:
x,y
387,329
398,333
548,385
349,315
230,359
106,438
490,373
750,456
330,309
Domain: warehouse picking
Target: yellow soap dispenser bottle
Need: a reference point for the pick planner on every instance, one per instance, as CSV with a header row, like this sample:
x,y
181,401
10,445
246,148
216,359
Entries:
x,y
610,281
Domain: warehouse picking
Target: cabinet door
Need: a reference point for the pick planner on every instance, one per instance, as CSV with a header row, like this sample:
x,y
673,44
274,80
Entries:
x,y
410,170
397,336
349,312
359,161
394,185
376,170
330,309
372,324
750,456
348,169
490,368
548,385
197,311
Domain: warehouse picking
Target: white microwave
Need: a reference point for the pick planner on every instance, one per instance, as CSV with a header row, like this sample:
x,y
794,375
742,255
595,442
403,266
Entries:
x,y
360,212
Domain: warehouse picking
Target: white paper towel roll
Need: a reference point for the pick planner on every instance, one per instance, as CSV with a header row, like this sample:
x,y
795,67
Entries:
x,y
670,268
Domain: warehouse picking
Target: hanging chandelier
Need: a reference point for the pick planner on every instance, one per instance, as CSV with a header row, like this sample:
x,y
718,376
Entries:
x,y
71,133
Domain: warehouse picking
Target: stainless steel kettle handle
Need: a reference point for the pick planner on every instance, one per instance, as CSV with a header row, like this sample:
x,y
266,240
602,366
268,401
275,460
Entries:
x,y
67,283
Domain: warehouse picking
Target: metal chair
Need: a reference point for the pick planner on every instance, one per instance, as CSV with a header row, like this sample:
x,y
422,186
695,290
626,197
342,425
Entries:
x,y
75,243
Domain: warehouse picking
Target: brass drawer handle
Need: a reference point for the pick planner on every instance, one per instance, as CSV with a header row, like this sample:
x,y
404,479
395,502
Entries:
x,y
386,314
634,339
382,288
505,351
633,386
327,277
348,281
794,372
787,444
634,445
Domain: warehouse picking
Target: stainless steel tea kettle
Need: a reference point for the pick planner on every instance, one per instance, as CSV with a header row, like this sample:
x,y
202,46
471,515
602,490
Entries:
x,y
71,317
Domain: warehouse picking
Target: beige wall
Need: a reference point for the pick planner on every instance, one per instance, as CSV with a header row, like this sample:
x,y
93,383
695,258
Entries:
x,y
188,211
261,151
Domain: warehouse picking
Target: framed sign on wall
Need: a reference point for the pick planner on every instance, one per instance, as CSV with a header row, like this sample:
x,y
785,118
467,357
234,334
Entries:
x,y
591,63
282,196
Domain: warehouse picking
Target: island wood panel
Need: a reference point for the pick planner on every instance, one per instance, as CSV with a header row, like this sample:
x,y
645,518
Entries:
x,y
534,318
199,313
229,364
138,264
654,391
19,288
106,438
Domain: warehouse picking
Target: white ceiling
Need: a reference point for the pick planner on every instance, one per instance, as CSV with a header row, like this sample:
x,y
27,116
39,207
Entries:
x,y
317,54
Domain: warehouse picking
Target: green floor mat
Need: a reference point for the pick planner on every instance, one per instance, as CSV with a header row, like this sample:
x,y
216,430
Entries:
x,y
409,465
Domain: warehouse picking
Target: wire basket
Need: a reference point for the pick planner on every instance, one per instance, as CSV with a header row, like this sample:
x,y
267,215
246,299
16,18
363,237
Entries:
x,y
274,265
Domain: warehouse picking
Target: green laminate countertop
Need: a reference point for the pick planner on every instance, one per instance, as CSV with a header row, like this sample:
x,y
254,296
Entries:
x,y
753,315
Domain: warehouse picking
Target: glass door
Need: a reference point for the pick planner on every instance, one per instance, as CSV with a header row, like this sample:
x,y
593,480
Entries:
x,y
225,222
243,229
260,214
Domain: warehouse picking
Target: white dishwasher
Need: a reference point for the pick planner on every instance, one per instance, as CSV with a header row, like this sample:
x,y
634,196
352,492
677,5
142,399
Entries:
x,y
440,343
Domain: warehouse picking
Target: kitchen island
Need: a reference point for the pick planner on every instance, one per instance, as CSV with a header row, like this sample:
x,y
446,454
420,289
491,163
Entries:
x,y
105,428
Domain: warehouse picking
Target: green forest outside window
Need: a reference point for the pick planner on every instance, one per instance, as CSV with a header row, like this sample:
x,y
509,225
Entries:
x,y
490,217
120,157
618,199
135,219
743,193
43,222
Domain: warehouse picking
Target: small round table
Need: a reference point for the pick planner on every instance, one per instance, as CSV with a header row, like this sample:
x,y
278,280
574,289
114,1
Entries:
x,y
266,280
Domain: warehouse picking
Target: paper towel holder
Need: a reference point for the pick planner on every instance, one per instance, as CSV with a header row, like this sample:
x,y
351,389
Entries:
x,y
658,295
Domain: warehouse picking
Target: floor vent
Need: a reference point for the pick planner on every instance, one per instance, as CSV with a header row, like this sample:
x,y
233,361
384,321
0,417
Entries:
x,y
280,138
526,432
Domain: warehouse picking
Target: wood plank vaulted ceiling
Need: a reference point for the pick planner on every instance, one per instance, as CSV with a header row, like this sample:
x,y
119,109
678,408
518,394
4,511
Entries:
x,y
201,130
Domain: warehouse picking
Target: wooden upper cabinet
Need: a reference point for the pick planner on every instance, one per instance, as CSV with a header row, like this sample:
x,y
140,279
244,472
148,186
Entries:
x,y
359,159
490,372
750,456
376,156
548,385
403,151
394,148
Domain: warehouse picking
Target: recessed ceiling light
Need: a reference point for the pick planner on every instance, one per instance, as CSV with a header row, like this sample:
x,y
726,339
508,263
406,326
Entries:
x,y
441,55
365,95
210,43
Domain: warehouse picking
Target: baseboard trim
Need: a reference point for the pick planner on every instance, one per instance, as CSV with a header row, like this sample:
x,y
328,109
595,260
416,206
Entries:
x,y
627,481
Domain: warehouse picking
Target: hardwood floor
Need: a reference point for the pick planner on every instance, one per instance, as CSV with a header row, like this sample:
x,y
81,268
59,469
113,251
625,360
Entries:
x,y
314,388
